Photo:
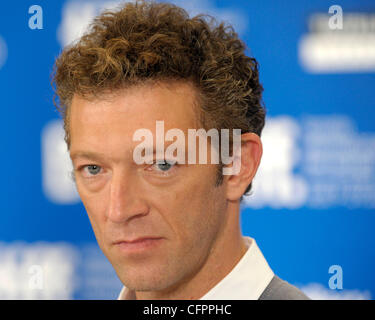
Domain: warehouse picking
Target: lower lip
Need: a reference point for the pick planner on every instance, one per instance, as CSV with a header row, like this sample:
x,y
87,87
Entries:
x,y
139,246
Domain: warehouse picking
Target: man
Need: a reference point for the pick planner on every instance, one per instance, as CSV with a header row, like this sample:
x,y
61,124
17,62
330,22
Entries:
x,y
169,228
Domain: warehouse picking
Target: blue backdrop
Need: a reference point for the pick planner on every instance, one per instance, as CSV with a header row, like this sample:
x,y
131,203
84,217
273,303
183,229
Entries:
x,y
312,211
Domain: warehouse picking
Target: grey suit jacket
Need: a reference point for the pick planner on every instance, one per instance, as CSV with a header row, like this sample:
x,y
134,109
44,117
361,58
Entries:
x,y
281,290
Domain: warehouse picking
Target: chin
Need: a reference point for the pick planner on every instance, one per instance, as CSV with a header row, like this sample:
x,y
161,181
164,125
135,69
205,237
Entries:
x,y
144,281
147,278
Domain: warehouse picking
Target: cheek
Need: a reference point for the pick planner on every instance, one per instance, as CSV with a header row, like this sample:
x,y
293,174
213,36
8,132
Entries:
x,y
193,210
95,205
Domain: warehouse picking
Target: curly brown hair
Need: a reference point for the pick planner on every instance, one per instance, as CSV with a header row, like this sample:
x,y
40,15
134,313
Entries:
x,y
149,41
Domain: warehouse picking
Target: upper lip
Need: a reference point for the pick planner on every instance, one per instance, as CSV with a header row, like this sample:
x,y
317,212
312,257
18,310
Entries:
x,y
136,239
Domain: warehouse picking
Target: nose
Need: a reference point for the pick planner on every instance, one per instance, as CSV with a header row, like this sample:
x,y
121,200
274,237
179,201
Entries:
x,y
125,202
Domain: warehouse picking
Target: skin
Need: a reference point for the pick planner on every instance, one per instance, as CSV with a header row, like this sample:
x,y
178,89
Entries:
x,y
198,221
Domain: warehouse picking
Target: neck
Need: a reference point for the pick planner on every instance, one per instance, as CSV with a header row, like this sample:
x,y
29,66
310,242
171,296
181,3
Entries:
x,y
226,252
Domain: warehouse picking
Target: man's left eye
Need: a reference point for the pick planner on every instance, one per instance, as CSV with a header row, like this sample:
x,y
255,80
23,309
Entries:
x,y
164,165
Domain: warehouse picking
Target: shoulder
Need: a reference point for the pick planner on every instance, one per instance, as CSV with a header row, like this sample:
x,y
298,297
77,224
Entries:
x,y
279,289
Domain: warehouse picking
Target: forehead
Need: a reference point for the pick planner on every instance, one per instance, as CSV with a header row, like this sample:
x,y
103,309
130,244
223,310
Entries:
x,y
104,123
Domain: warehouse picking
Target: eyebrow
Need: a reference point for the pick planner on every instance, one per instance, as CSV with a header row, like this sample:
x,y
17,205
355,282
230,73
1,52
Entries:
x,y
92,155
86,155
100,156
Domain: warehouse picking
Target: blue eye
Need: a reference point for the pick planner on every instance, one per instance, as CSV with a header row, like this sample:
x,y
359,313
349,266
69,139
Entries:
x,y
93,169
164,165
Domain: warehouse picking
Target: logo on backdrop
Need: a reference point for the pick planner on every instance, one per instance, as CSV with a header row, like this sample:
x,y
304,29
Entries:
x,y
57,184
317,162
36,20
37,271
76,15
338,41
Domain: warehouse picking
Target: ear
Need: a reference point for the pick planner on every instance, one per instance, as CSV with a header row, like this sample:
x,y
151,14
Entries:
x,y
248,157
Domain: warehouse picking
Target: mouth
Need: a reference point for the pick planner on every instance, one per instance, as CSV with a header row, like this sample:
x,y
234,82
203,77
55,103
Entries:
x,y
138,245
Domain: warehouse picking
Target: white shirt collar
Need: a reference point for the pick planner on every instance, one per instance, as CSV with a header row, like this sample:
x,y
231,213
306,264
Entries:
x,y
247,280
